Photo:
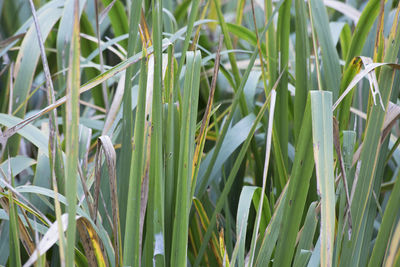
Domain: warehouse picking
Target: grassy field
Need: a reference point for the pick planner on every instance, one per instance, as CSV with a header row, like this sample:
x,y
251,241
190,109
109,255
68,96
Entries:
x,y
199,133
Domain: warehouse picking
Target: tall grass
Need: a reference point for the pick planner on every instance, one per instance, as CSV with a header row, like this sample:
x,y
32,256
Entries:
x,y
199,133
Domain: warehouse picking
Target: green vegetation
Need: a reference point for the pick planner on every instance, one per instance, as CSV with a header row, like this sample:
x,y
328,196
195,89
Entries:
x,y
199,133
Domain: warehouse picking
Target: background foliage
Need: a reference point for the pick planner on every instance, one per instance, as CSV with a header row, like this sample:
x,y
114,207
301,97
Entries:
x,y
199,133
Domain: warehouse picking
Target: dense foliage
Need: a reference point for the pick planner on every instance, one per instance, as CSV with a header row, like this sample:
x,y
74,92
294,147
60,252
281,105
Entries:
x,y
199,133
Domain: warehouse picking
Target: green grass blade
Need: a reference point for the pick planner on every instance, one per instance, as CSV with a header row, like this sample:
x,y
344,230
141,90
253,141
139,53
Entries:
x,y
245,35
25,26
63,40
228,44
330,58
176,137
297,193
29,132
345,40
56,160
392,258
270,40
236,75
266,211
26,63
87,47
348,76
127,117
72,141
118,18
315,256
85,87
234,105
361,32
349,141
264,183
17,165
367,19
282,94
307,235
171,150
104,144
214,254
186,153
369,155
132,239
229,182
282,178
387,224
205,122
15,251
192,17
302,56
154,247
245,200
271,233
322,125
233,140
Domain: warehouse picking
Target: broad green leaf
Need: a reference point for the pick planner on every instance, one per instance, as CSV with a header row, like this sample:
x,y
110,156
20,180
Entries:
x,y
245,200
72,138
316,255
17,165
4,238
41,178
322,128
234,138
30,132
250,89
